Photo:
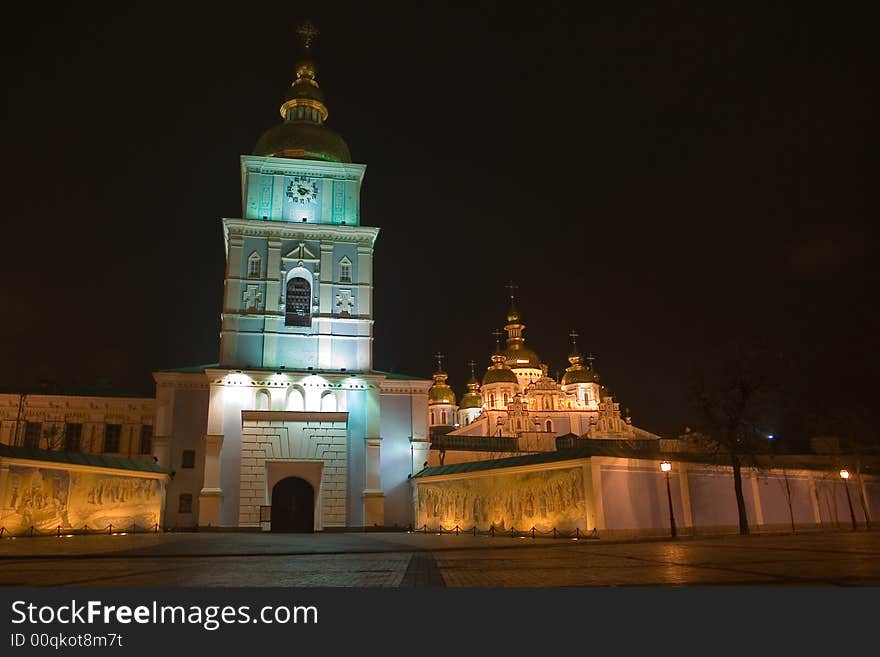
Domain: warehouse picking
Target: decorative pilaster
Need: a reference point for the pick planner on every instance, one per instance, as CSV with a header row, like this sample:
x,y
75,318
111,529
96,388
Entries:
x,y
164,423
374,497
211,495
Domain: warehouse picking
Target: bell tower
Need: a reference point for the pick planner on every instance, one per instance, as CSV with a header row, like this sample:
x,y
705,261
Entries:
x,y
299,264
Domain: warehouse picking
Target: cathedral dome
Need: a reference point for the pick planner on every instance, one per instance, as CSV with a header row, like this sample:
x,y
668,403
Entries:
x,y
499,375
471,400
303,135
518,355
303,141
441,393
579,375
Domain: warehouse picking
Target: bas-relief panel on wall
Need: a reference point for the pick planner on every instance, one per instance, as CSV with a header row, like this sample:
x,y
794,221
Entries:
x,y
44,498
544,500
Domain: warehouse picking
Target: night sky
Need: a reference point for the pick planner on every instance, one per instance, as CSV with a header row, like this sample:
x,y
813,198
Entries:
x,y
666,181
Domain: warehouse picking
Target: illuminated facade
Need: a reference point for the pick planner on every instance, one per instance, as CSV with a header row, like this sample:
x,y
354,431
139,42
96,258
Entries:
x,y
293,422
518,400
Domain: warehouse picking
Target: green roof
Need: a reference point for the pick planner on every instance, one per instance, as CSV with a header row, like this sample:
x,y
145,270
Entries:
x,y
78,391
396,376
632,449
79,458
507,462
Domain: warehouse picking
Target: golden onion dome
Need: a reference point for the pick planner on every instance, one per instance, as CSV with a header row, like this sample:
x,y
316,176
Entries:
x,y
579,375
499,375
519,356
440,392
471,400
303,135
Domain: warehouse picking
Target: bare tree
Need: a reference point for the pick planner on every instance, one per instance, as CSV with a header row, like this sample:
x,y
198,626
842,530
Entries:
x,y
731,401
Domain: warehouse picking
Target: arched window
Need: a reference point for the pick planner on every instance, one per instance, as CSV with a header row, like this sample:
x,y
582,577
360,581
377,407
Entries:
x,y
255,267
295,399
262,400
492,400
445,419
549,425
298,308
328,401
432,418
505,399
345,270
185,503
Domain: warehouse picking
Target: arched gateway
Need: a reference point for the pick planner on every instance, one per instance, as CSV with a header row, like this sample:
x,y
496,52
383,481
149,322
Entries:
x,y
293,506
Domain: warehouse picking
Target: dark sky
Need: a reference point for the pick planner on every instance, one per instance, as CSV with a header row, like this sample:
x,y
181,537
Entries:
x,y
664,180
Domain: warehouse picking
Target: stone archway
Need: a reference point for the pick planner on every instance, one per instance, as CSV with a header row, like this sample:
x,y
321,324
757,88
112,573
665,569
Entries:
x,y
293,506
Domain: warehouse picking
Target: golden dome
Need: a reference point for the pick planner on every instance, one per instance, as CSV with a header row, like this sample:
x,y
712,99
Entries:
x,y
499,375
303,135
440,392
579,374
518,356
471,400
303,141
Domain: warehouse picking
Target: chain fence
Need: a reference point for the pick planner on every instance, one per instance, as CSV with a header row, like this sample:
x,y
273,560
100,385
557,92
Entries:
x,y
512,532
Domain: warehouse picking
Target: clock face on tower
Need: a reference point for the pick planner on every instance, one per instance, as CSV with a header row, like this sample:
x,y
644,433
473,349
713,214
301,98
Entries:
x,y
302,190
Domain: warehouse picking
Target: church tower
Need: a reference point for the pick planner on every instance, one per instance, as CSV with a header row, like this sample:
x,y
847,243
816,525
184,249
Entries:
x,y
298,285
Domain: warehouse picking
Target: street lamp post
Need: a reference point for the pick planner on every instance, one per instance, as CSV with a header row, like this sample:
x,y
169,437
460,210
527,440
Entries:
x,y
844,474
666,466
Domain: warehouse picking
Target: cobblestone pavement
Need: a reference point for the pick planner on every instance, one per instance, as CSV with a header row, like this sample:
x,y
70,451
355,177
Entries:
x,y
400,559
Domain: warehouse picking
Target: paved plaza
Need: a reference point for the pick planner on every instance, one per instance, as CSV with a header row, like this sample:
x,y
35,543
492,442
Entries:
x,y
402,560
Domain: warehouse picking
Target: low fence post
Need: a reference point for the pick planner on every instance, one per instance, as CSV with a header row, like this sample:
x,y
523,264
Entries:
x,y
157,528
32,531
58,532
533,532
492,531
475,529
577,532
110,528
456,530
2,530
554,532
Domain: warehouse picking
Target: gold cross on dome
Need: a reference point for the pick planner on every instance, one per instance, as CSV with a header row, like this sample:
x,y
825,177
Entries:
x,y
512,288
308,33
439,358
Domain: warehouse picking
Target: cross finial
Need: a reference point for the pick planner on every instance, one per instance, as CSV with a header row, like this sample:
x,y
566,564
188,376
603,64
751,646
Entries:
x,y
472,365
498,333
590,360
439,358
307,33
574,336
512,288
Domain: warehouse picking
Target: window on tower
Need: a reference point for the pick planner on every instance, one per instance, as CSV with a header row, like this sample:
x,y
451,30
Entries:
x,y
345,272
254,265
298,309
